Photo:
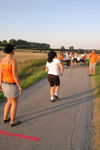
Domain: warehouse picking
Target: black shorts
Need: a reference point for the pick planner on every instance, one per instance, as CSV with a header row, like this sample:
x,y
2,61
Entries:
x,y
78,61
53,80
68,62
82,60
75,60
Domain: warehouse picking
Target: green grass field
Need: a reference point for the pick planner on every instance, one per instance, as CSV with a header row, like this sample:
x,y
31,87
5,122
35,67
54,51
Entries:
x,y
97,80
97,106
29,72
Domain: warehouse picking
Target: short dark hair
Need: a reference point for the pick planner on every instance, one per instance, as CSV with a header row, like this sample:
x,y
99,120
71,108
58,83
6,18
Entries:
x,y
51,55
8,48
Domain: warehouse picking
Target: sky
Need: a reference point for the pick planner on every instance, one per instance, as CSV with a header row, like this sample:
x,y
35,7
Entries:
x,y
55,22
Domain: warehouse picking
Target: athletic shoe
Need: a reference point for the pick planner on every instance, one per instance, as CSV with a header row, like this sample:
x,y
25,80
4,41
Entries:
x,y
57,98
90,74
15,123
53,100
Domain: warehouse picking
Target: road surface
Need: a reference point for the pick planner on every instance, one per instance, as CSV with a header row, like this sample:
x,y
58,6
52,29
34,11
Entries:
x,y
63,125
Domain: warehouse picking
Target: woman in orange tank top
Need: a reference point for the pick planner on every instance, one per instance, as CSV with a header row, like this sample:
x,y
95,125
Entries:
x,y
61,56
10,85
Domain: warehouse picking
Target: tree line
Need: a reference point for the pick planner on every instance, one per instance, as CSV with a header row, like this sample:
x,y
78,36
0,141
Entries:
x,y
80,51
22,44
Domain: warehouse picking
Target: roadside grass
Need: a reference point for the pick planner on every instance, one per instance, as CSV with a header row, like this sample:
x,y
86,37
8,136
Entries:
x,y
29,72
97,80
2,98
97,107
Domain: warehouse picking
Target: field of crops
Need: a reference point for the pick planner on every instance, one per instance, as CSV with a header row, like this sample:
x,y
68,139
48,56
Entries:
x,y
23,56
31,68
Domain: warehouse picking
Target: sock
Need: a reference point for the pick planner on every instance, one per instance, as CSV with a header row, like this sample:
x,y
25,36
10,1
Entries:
x,y
56,94
52,98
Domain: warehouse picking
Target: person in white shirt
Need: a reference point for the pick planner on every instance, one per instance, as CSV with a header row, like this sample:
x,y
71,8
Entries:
x,y
54,69
78,59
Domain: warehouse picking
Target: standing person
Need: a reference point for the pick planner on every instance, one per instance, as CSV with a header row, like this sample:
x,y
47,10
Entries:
x,y
61,56
68,59
10,85
72,59
78,59
75,59
85,57
93,61
54,68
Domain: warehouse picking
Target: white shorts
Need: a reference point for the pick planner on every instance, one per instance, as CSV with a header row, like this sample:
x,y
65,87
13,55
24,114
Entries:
x,y
92,66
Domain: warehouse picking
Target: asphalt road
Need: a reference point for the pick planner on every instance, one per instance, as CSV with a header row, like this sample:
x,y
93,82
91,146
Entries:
x,y
62,125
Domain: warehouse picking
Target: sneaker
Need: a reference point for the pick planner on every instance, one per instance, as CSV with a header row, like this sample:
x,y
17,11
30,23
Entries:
x,y
57,98
90,74
15,123
53,100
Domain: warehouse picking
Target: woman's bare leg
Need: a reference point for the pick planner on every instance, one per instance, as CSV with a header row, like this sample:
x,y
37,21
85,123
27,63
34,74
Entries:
x,y
13,108
7,108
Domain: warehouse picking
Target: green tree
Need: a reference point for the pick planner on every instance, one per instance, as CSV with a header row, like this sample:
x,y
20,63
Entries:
x,y
71,48
62,48
4,42
12,41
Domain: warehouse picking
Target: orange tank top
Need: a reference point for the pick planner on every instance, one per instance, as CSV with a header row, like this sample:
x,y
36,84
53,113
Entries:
x,y
61,57
7,75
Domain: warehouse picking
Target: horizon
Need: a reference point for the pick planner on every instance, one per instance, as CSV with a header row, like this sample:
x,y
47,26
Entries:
x,y
52,47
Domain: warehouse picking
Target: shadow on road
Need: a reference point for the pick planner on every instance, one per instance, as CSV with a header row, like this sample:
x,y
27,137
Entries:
x,y
59,107
77,95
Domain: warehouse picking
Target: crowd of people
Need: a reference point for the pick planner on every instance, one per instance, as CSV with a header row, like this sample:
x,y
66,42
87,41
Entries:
x,y
11,87
72,59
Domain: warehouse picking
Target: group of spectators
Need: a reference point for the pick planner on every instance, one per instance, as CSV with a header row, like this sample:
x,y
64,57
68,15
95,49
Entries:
x,y
72,59
75,59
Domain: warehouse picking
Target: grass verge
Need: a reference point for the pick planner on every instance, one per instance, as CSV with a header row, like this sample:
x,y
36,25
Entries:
x,y
29,72
97,102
